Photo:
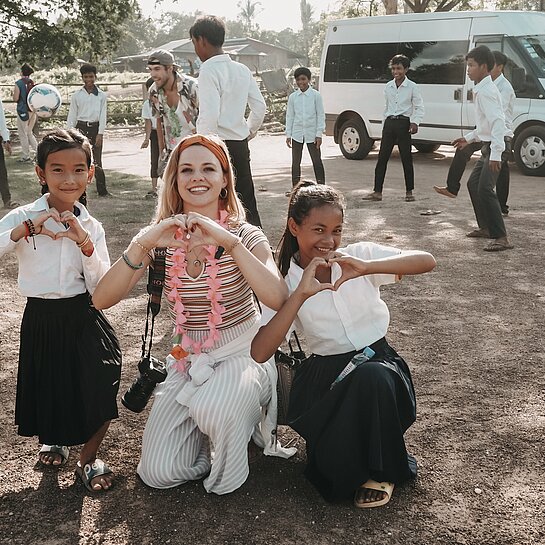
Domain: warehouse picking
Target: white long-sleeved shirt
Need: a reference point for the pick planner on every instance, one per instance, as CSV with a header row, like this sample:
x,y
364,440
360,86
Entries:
x,y
57,269
225,88
88,107
305,116
489,117
4,131
508,99
404,100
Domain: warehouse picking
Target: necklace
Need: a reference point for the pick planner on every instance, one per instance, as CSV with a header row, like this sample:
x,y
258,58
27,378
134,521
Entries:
x,y
183,344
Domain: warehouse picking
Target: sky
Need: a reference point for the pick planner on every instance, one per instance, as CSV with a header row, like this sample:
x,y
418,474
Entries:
x,y
274,15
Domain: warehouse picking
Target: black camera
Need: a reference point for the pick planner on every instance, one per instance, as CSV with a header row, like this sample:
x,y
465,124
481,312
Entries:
x,y
152,372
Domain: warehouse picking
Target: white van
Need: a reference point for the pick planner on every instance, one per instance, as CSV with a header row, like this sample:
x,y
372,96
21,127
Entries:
x,y
355,69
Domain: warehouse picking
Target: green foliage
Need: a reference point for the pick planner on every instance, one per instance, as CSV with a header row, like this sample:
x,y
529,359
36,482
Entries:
x,y
50,32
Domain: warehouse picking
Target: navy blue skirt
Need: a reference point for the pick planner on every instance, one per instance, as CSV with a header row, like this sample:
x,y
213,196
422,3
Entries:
x,y
69,371
355,431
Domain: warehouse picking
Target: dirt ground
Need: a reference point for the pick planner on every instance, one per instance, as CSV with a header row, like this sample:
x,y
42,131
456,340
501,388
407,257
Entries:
x,y
471,331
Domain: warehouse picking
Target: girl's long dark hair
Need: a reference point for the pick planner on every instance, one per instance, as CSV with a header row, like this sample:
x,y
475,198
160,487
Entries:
x,y
61,139
304,197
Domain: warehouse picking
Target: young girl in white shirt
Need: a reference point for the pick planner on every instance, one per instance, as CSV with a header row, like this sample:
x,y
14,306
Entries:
x,y
354,429
69,359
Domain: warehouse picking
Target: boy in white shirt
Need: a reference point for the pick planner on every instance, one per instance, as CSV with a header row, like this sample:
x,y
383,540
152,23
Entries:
x,y
462,156
305,123
226,89
403,113
87,113
491,131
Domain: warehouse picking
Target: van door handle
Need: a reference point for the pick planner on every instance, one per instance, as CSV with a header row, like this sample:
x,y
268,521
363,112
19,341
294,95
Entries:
x,y
458,94
470,95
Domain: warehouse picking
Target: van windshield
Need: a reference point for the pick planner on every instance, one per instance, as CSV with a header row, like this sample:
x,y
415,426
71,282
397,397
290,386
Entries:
x,y
535,48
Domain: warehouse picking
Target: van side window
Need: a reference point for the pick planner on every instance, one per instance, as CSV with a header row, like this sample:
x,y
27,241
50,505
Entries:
x,y
359,62
518,73
436,62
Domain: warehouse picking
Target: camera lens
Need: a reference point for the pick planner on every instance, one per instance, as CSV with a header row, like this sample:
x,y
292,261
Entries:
x,y
152,372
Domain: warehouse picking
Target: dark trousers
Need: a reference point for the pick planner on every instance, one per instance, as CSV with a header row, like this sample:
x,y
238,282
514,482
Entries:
x,y
4,185
315,156
240,157
458,165
154,154
91,132
485,202
395,131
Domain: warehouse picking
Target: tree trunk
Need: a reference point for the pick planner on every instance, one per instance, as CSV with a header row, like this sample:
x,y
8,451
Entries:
x,y
391,6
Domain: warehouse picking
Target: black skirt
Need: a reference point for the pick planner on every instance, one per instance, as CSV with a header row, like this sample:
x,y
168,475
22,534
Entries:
x,y
355,431
69,370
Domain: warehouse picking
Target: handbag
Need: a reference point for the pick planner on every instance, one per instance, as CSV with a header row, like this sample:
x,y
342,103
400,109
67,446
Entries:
x,y
286,365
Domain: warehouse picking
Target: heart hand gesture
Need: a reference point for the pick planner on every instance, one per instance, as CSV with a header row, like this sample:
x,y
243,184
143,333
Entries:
x,y
351,267
309,284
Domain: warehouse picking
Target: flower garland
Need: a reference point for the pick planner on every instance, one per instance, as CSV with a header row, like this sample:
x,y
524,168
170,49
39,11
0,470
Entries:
x,y
183,344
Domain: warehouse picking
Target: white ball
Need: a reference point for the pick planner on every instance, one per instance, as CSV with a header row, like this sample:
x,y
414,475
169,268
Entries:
x,y
44,100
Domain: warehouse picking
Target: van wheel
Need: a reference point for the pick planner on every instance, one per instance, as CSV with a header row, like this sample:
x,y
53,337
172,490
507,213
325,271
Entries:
x,y
354,140
426,148
530,151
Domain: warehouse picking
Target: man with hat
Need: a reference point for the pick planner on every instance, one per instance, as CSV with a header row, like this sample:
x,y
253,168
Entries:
x,y
174,101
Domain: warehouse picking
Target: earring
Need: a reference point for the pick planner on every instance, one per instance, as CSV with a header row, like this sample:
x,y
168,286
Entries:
x,y
223,193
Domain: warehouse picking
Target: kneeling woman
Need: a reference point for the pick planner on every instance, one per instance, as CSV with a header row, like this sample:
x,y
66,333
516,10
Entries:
x,y
353,424
212,398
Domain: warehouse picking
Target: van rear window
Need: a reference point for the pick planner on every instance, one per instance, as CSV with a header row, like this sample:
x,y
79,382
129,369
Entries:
x,y
431,62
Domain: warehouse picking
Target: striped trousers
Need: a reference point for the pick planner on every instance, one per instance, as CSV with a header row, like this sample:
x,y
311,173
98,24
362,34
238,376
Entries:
x,y
210,435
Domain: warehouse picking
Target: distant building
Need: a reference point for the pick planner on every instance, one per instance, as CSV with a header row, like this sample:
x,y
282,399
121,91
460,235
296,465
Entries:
x,y
256,55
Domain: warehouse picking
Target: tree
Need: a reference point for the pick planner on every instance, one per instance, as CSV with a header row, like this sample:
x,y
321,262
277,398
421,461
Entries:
x,y
307,25
47,32
248,13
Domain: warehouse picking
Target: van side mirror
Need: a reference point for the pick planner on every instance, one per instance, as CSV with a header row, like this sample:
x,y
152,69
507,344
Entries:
x,y
518,78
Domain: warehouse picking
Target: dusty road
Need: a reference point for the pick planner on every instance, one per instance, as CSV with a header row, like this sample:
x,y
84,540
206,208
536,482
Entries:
x,y
471,331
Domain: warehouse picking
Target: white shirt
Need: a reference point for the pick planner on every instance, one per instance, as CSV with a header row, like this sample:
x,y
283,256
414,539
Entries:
x,y
148,114
350,318
508,99
404,100
305,116
489,117
57,269
4,131
88,107
225,88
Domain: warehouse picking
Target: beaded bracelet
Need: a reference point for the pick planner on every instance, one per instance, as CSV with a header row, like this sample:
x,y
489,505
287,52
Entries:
x,y
233,246
130,263
30,231
84,241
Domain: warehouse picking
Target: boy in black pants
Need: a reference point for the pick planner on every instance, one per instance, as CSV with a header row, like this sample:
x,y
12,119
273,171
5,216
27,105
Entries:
x,y
403,113
491,131
87,113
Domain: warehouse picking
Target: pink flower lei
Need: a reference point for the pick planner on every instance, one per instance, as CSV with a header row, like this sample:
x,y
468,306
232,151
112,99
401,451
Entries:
x,y
183,344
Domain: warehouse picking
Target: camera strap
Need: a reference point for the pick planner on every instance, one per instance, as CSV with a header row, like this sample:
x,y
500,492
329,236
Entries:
x,y
156,281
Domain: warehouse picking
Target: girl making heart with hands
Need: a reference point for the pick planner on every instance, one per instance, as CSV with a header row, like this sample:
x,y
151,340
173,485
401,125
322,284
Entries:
x,y
353,399
210,405
69,360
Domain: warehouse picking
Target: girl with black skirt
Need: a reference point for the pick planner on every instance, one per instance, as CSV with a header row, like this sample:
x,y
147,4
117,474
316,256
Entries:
x,y
353,423
69,358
